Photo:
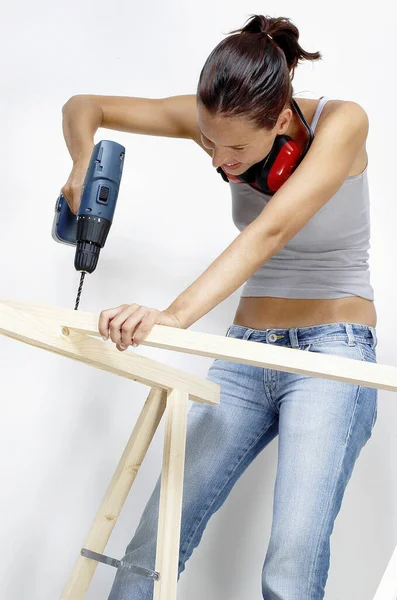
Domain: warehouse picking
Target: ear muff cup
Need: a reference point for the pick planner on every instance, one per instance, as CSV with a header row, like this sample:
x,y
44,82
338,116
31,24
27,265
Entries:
x,y
269,174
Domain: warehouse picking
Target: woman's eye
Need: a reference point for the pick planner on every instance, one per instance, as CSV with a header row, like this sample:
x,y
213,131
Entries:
x,y
208,144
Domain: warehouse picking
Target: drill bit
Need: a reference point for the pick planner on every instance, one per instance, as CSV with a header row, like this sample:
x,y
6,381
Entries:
x,y
79,290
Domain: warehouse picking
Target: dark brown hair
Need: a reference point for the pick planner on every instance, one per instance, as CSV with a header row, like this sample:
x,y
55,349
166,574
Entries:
x,y
248,74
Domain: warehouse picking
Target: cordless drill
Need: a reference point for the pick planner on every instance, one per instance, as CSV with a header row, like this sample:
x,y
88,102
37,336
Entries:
x,y
88,229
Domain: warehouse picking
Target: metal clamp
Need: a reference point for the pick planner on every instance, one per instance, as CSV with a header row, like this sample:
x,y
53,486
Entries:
x,y
120,564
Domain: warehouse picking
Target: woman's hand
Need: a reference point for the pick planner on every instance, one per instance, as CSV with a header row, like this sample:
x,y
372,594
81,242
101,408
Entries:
x,y
132,323
72,190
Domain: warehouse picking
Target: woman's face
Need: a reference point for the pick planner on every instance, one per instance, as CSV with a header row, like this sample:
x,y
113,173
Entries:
x,y
235,140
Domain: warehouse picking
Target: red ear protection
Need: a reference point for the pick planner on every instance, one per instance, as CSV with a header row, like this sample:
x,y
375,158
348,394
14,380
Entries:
x,y
269,174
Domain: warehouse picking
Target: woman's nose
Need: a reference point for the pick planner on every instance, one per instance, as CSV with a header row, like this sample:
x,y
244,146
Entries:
x,y
219,159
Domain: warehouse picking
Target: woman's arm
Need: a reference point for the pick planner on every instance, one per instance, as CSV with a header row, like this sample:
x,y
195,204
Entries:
x,y
174,116
83,114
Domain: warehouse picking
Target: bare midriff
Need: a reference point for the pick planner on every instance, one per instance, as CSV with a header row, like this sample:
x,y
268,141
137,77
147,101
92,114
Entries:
x,y
282,313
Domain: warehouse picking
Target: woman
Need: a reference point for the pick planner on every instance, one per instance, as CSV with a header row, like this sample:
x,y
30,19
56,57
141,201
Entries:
x,y
302,252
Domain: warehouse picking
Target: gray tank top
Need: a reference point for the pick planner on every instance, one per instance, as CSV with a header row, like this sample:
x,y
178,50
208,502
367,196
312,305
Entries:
x,y
328,257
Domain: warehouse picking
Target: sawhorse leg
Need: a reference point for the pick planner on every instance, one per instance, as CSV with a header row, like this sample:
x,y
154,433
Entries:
x,y
171,493
168,537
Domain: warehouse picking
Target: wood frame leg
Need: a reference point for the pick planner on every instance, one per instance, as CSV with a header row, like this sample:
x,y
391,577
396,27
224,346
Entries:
x,y
117,492
171,493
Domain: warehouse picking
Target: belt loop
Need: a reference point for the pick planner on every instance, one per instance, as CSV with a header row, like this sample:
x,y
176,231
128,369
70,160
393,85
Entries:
x,y
247,333
350,334
374,337
293,337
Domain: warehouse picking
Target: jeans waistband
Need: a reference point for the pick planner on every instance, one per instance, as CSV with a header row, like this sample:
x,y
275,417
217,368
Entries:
x,y
295,336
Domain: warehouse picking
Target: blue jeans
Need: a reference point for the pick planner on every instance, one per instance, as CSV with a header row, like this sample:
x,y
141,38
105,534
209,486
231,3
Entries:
x,y
322,426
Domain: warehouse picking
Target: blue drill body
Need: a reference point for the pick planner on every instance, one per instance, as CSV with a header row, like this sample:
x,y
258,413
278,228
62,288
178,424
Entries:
x,y
88,229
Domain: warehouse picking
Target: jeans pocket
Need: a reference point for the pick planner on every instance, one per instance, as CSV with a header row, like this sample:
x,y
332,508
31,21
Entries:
x,y
367,352
333,347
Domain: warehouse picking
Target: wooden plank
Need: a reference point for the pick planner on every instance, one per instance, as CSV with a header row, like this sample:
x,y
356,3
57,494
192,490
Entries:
x,y
36,329
367,374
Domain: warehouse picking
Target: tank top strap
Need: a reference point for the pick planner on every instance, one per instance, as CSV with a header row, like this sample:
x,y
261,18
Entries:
x,y
317,114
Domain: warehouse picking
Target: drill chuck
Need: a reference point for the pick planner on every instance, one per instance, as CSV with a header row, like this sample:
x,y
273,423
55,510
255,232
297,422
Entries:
x,y
91,236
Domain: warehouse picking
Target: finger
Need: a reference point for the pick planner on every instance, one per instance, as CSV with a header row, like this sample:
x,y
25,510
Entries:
x,y
120,349
144,328
134,313
130,326
105,317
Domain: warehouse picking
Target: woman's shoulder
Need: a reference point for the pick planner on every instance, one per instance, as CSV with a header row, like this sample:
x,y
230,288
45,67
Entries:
x,y
309,107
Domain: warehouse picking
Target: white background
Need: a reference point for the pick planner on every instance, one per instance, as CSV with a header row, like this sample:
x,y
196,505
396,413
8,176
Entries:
x,y
64,425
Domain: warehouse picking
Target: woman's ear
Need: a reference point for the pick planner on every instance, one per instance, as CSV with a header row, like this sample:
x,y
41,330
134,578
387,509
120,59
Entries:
x,y
283,121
